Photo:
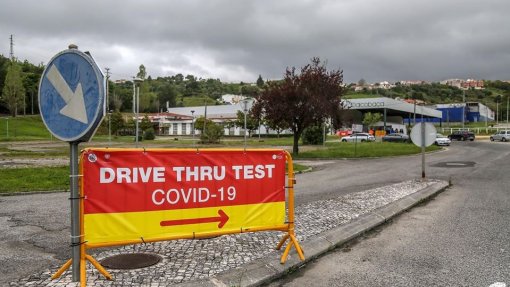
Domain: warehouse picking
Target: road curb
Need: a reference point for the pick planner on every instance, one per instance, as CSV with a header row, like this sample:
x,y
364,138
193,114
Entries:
x,y
265,270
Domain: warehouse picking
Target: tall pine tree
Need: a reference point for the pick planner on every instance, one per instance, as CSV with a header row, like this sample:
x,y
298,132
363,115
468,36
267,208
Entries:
x,y
13,92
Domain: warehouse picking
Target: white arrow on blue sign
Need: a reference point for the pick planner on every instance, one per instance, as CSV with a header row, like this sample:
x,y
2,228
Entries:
x,y
72,96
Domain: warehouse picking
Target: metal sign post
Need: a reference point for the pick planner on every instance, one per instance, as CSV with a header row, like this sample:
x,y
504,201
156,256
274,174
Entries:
x,y
75,211
423,135
422,130
72,104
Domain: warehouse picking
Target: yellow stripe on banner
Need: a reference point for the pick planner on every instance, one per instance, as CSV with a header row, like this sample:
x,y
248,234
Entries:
x,y
119,227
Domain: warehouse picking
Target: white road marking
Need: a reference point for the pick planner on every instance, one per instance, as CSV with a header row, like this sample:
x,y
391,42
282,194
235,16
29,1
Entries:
x,y
75,107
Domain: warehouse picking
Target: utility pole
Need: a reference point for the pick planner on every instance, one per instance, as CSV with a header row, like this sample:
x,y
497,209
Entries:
x,y
11,55
205,121
507,96
245,102
414,117
486,115
497,113
193,127
108,105
463,107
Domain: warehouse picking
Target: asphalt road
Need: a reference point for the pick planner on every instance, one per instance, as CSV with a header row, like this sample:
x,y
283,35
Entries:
x,y
337,177
460,238
34,229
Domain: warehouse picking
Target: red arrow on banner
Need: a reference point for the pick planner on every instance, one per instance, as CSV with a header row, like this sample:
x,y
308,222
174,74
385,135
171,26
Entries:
x,y
222,219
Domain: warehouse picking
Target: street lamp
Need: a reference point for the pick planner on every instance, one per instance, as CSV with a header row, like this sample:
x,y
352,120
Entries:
x,y
193,127
136,105
7,127
463,107
245,108
110,126
507,110
497,112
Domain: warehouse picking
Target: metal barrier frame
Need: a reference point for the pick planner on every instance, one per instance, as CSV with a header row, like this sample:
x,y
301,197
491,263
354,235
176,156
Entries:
x,y
288,227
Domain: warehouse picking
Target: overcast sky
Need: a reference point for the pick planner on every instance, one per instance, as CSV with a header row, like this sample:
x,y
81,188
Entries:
x,y
236,40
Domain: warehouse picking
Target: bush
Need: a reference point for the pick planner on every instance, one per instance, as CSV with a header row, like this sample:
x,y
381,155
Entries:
x,y
313,135
213,134
149,134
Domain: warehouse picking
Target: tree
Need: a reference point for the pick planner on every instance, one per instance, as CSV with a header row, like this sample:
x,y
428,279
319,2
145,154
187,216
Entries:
x,y
145,123
142,73
167,93
251,122
250,91
362,82
213,132
370,119
260,82
302,100
117,122
213,135
13,93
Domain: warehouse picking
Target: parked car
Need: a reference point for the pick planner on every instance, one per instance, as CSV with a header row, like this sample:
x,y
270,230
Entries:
x,y
462,136
359,137
442,140
503,136
396,137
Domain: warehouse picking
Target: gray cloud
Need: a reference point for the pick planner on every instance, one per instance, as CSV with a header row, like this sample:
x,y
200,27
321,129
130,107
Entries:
x,y
238,40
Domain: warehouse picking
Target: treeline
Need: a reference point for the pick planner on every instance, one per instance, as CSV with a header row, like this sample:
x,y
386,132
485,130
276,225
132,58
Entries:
x,y
436,93
176,91
22,80
26,77
20,97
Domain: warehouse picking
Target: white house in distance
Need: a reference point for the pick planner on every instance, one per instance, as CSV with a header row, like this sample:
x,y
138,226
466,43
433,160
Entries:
x,y
180,121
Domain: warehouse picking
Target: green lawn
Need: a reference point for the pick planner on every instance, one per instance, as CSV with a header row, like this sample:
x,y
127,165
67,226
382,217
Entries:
x,y
27,137
360,96
360,150
198,101
34,179
23,128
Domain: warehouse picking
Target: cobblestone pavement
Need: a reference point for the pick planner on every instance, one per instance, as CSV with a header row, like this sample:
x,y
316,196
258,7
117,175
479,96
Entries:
x,y
187,260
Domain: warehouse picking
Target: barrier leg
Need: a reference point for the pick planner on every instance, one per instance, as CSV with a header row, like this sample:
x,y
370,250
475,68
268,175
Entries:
x,y
282,241
62,269
298,248
292,242
99,267
286,253
83,271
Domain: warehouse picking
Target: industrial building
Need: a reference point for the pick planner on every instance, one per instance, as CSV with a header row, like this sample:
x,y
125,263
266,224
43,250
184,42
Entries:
x,y
469,112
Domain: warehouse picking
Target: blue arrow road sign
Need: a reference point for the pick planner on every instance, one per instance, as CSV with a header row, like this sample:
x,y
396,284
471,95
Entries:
x,y
72,96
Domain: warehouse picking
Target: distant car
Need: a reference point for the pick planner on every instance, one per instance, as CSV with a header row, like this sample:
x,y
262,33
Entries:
x,y
503,136
359,137
462,136
396,137
442,140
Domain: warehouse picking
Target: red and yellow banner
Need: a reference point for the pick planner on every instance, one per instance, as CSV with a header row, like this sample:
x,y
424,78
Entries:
x,y
156,193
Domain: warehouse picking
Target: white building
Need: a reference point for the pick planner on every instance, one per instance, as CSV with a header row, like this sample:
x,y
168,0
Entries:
x,y
232,99
180,121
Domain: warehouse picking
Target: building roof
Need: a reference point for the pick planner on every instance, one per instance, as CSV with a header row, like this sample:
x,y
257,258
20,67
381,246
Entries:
x,y
393,107
213,112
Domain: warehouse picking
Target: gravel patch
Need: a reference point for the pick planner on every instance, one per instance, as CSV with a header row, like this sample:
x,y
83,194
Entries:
x,y
24,162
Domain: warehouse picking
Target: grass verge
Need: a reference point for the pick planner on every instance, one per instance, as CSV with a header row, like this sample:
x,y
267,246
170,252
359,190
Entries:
x,y
34,179
361,150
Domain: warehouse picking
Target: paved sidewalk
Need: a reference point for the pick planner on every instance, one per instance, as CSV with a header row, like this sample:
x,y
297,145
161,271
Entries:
x,y
250,259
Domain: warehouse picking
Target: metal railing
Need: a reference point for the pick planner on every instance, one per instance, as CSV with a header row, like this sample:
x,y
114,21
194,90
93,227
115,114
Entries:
x,y
479,130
